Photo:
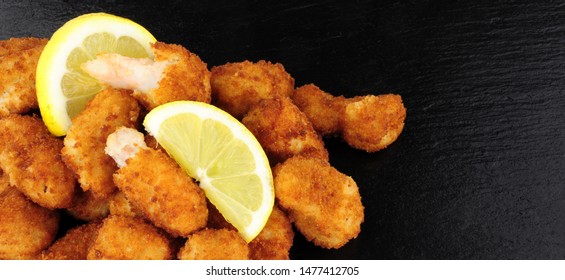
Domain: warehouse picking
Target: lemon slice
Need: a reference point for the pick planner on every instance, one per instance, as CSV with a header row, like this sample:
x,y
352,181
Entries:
x,y
219,152
63,88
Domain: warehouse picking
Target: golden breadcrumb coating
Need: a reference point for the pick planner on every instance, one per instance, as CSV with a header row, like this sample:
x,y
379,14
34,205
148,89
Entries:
x,y
25,227
74,244
368,123
86,207
283,130
187,78
31,157
163,192
236,87
214,244
4,181
272,243
371,123
120,205
129,238
14,45
18,60
86,139
275,240
322,109
323,203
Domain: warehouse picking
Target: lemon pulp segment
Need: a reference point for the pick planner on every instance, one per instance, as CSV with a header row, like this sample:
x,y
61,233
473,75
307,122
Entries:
x,y
222,155
63,88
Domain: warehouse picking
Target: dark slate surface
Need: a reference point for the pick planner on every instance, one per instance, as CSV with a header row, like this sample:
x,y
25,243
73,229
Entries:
x,y
478,172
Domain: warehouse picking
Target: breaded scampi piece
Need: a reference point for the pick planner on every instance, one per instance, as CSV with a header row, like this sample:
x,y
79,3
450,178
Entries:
x,y
275,240
323,203
272,243
283,130
214,244
18,60
86,139
74,244
174,74
129,238
371,123
31,157
25,228
156,185
322,109
368,123
88,208
120,205
236,87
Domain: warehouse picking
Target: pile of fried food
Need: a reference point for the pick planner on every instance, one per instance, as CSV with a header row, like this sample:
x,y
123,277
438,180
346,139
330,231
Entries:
x,y
131,210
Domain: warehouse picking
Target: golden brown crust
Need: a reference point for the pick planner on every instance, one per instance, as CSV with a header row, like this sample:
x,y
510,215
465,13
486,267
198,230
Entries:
x,y
323,203
214,244
128,238
275,240
4,181
74,244
18,60
371,123
272,243
283,130
163,192
368,123
31,157
86,139
15,45
188,78
322,109
236,87
25,228
120,205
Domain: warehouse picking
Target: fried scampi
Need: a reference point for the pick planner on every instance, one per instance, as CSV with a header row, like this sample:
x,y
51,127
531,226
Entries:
x,y
25,227
283,130
86,139
371,123
74,245
236,87
272,243
31,157
136,199
163,192
368,123
175,74
214,244
18,60
323,203
129,238
324,110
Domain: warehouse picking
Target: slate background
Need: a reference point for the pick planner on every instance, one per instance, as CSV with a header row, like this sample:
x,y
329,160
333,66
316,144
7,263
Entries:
x,y
477,172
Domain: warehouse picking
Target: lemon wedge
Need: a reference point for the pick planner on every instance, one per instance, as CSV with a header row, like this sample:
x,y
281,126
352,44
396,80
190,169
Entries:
x,y
63,88
219,152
